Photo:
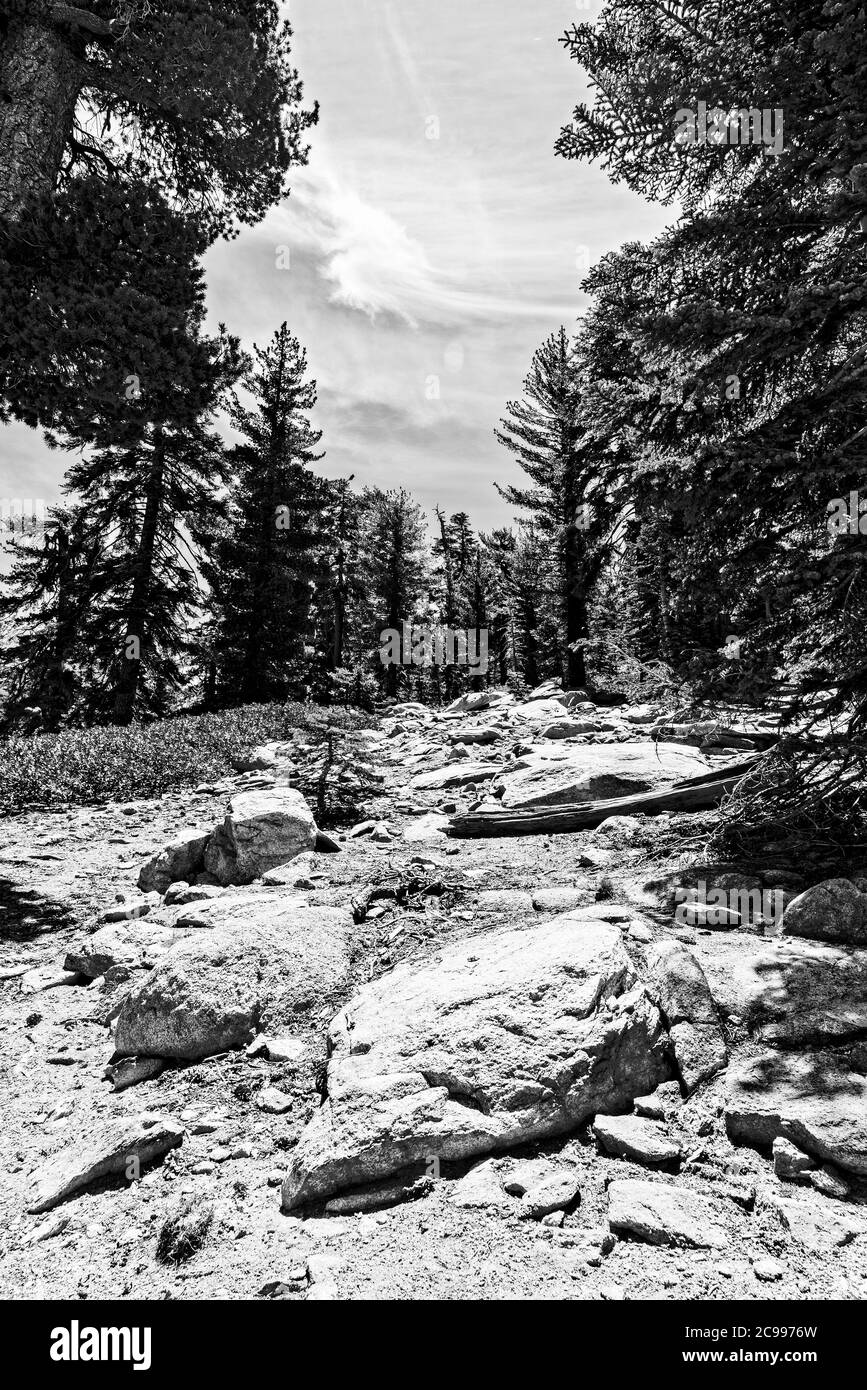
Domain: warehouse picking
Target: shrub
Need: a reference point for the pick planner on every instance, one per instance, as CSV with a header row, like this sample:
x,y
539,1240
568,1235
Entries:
x,y
83,766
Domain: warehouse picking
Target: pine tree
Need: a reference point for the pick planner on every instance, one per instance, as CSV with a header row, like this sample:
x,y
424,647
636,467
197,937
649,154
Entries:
x,y
267,565
397,565
550,432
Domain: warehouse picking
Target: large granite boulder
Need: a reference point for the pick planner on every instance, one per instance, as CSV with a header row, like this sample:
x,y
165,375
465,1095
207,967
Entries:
x,y
260,966
179,861
812,1100
499,1040
793,993
677,984
555,776
262,829
136,944
829,911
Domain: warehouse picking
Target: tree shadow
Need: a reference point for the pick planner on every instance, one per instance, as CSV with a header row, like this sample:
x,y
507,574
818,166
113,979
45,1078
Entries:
x,y
26,914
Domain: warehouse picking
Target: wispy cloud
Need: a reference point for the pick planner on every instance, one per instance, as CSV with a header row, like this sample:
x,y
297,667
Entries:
x,y
373,265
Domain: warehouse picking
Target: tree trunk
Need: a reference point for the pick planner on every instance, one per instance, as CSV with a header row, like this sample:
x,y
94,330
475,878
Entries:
x,y
40,77
128,683
576,611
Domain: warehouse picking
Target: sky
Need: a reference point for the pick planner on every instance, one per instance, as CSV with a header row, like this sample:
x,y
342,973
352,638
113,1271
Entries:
x,y
431,244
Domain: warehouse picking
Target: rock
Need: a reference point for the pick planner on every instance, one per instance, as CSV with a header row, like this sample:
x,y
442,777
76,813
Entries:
x,y
557,899
620,828
323,1292
769,1271
378,1196
505,900
47,977
481,735
129,1071
268,757
454,776
650,1107
637,931
137,945
428,827
478,699
665,1215
812,1101
542,710
284,1049
363,827
629,1136
677,984
830,911
128,912
639,714
595,858
828,1181
527,1174
790,1162
179,860
274,1102
595,772
262,830
501,1040
258,965
182,894
800,993
555,1193
818,1226
568,728
481,1187
114,1146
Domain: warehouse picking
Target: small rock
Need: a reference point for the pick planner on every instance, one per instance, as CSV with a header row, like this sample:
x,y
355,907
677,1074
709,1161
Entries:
x,y
790,1162
557,899
629,1136
274,1102
555,1193
768,1270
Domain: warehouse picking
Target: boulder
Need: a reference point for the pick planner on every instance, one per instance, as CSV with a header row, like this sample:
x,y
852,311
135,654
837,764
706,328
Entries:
x,y
595,772
277,758
137,945
262,829
481,1187
557,1191
482,735
812,1101
262,963
821,1227
800,993
477,699
629,1136
428,827
500,1040
455,775
830,911
662,1214
677,985
114,1146
182,859
568,728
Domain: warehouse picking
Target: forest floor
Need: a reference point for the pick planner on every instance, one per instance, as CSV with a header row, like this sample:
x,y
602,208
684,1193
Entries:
x,y
59,870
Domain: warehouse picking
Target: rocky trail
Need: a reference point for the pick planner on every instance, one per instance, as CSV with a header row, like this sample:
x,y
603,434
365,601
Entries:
x,y
244,1059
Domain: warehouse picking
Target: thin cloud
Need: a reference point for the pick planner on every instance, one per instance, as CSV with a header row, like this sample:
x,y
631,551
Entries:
x,y
375,267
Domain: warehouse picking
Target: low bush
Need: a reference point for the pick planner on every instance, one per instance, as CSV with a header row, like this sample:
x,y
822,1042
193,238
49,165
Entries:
x,y
83,766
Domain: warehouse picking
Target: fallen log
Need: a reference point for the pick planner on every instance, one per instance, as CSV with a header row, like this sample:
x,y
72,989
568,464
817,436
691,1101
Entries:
x,y
692,794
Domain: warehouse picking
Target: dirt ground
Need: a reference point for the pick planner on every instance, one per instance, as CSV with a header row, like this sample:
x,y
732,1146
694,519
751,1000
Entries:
x,y
59,870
